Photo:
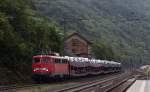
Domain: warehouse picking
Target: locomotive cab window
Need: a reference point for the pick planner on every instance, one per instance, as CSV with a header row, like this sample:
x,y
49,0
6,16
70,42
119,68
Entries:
x,y
57,60
36,60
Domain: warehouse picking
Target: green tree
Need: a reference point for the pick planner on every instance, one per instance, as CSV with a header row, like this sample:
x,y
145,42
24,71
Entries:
x,y
102,51
23,31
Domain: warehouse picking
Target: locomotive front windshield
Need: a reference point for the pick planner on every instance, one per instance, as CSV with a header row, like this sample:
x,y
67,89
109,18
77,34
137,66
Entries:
x,y
36,60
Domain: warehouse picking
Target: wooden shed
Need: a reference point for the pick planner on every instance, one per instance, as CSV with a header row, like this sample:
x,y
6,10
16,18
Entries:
x,y
76,44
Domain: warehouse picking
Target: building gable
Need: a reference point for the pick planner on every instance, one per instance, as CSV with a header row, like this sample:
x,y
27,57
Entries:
x,y
76,35
77,45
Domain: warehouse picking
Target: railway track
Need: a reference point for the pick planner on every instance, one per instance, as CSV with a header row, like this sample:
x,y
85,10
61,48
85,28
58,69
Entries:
x,y
102,85
123,87
74,88
15,87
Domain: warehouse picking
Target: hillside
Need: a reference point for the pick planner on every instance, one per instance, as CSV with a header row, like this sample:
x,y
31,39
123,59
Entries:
x,y
23,33
123,24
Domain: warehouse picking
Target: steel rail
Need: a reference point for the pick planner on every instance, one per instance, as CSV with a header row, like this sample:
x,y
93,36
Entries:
x,y
14,87
90,84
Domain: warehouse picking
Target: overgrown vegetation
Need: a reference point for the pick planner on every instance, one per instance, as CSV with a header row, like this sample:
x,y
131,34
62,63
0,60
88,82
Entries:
x,y
23,33
102,51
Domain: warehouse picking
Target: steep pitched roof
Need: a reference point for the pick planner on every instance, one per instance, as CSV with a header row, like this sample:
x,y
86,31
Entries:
x,y
75,33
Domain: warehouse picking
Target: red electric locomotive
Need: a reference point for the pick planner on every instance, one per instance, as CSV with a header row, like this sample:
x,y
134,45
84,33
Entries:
x,y
46,66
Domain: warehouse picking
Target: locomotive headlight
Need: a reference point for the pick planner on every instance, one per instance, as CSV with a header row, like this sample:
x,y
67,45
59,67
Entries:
x,y
44,69
35,69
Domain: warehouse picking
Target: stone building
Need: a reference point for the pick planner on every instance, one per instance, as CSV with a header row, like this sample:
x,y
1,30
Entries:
x,y
77,45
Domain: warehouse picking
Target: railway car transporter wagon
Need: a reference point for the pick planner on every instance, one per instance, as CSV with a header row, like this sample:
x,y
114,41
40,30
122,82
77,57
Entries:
x,y
53,67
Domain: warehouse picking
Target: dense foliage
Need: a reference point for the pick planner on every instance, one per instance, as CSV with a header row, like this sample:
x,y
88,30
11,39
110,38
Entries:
x,y
23,33
102,51
123,23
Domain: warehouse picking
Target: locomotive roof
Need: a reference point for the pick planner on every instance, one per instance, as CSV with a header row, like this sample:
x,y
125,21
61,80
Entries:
x,y
39,56
45,56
